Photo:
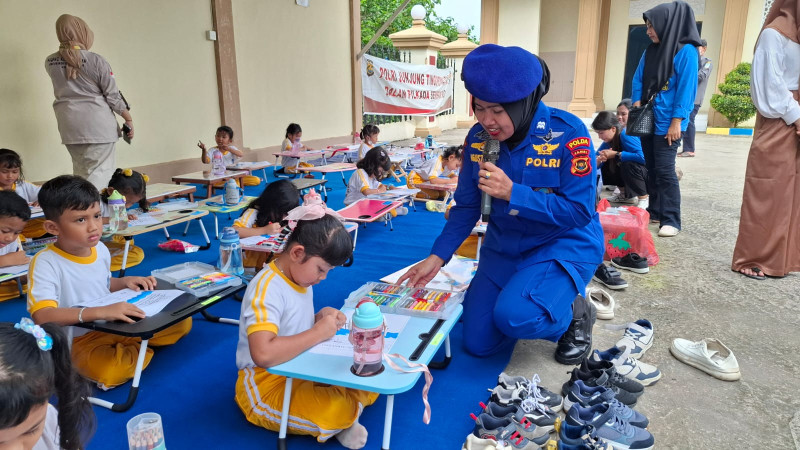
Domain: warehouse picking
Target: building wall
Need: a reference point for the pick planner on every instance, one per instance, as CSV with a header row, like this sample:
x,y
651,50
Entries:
x,y
519,23
557,44
161,60
294,66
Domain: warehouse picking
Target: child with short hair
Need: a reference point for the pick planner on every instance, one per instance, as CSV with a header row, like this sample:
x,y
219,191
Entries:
x,y
36,365
13,179
291,142
75,269
369,139
14,214
266,215
441,170
278,323
133,186
366,179
230,154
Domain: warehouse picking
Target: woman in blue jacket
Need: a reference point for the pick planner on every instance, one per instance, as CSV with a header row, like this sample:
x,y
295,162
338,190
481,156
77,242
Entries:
x,y
667,76
544,239
621,161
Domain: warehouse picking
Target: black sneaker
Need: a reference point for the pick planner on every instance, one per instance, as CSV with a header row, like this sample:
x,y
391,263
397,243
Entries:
x,y
632,262
632,386
595,378
576,343
609,277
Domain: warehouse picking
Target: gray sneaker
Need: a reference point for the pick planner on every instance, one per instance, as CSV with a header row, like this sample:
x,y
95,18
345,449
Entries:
x,y
504,429
543,395
610,427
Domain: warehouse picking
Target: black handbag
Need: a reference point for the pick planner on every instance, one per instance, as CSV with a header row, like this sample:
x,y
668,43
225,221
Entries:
x,y
641,121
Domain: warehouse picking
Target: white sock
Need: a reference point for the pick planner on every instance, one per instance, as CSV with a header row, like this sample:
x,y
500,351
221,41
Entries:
x,y
354,437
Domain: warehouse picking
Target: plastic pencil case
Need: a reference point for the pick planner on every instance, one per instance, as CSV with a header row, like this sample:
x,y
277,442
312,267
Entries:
x,y
405,300
178,275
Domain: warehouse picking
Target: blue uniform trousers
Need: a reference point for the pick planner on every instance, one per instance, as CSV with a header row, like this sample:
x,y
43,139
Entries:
x,y
536,303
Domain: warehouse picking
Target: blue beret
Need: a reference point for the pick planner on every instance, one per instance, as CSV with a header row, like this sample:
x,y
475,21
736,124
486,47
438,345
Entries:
x,y
498,74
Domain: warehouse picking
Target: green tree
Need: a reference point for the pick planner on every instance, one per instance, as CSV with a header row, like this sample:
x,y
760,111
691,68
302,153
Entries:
x,y
375,13
735,103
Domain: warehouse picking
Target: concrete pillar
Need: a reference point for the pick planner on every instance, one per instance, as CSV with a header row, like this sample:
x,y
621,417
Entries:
x,y
490,21
458,50
423,47
582,104
227,76
600,67
730,52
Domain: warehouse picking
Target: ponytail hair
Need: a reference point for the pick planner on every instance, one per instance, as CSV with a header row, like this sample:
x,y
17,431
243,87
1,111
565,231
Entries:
x,y
29,376
607,120
376,163
277,199
368,130
128,182
324,237
293,128
453,151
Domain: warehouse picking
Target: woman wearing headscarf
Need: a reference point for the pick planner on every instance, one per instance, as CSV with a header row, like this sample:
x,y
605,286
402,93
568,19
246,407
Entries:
x,y
544,240
86,100
769,227
667,76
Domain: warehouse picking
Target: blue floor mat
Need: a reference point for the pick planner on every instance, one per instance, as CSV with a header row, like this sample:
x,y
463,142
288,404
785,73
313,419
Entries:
x,y
191,384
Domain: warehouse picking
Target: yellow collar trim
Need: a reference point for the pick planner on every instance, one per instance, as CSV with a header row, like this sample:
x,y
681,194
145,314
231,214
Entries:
x,y
76,259
291,283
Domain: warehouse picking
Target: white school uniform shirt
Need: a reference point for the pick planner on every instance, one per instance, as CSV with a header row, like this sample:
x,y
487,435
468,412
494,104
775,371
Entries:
x,y
227,157
11,248
776,72
51,436
432,168
105,210
28,191
272,303
248,219
60,280
359,182
362,151
288,161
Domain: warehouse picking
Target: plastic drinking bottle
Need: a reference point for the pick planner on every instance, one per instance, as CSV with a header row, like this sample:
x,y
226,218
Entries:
x,y
366,335
230,253
232,192
118,220
217,163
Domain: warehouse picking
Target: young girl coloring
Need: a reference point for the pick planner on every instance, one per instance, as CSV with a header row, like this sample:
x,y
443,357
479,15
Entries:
x,y
291,143
133,186
14,214
230,154
278,323
366,179
36,365
266,215
12,179
441,170
369,139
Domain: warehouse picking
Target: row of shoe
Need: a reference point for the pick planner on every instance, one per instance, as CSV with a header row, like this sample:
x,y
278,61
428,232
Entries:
x,y
611,278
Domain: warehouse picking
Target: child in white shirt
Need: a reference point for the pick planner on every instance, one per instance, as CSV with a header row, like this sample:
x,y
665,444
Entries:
x,y
230,154
365,180
13,179
14,214
369,139
441,170
291,143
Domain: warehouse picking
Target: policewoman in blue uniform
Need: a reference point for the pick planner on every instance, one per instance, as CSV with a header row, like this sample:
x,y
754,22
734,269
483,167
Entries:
x,y
544,239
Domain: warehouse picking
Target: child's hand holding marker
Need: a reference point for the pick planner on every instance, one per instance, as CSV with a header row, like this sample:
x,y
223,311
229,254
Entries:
x,y
339,316
272,228
139,283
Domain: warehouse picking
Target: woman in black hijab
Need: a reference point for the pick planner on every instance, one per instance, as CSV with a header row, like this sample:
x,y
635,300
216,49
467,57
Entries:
x,y
667,76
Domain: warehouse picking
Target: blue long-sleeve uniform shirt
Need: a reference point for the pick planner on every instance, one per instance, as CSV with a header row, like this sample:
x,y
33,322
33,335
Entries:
x,y
551,214
631,148
676,98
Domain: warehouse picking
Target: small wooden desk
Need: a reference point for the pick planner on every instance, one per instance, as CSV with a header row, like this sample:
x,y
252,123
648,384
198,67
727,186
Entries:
x,y
330,168
160,191
207,178
449,189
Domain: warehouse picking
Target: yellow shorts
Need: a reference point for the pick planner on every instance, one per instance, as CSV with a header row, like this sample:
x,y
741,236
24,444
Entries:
x,y
316,409
469,248
116,247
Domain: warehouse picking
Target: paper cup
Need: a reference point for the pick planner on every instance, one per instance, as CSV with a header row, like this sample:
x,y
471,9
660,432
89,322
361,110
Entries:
x,y
146,432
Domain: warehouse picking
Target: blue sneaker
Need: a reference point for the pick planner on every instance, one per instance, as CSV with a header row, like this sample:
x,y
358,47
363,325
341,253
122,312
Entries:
x,y
528,412
588,396
611,428
487,425
628,367
573,436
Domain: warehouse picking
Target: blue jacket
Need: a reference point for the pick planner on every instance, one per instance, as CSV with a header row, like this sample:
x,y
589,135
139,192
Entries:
x,y
551,215
631,148
676,99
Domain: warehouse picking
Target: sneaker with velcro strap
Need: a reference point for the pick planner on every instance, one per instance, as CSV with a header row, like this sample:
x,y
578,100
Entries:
x,y
638,337
541,393
588,396
492,443
609,277
628,367
594,378
618,432
506,429
632,386
543,417
575,436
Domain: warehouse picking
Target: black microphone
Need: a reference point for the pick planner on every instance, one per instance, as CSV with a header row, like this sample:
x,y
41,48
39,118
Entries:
x,y
491,152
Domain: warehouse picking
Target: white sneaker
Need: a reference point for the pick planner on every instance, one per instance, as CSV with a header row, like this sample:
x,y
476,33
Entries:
x,y
638,337
616,190
644,203
628,367
601,300
668,231
619,198
401,210
709,355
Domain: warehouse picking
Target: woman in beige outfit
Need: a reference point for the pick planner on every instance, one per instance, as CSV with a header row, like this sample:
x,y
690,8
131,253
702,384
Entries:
x,y
86,100
769,228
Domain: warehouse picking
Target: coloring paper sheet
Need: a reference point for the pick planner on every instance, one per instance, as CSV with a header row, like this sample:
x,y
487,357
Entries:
x,y
454,276
395,194
338,345
151,302
13,270
143,220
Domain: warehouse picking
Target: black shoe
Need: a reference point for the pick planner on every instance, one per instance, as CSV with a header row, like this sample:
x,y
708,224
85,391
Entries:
x,y
595,378
632,386
576,343
609,277
632,262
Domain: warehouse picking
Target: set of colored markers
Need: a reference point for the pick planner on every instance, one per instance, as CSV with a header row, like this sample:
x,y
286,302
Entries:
x,y
406,300
149,439
207,280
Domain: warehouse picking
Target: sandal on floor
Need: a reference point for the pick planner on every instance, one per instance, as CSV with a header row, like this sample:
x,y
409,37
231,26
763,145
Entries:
x,y
758,274
685,155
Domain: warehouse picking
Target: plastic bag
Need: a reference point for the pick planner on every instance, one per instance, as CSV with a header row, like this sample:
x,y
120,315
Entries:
x,y
625,230
175,245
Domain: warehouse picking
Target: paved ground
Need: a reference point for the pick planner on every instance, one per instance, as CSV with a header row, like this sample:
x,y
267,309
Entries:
x,y
693,294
